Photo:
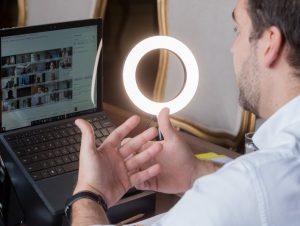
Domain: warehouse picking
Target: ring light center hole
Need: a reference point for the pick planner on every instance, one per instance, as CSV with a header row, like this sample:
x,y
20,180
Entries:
x,y
174,78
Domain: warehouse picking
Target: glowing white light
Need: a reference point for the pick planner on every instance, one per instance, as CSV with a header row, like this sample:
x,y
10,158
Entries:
x,y
189,63
94,78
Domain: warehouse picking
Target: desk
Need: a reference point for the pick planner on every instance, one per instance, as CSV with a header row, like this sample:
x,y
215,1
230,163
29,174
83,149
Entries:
x,y
165,201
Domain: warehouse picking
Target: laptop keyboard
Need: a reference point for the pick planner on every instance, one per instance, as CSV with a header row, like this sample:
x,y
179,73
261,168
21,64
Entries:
x,y
54,150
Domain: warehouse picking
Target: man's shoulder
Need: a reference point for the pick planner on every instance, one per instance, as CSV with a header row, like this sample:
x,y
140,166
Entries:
x,y
263,158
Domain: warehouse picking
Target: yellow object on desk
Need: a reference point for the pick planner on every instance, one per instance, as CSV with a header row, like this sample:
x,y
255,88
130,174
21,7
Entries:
x,y
213,157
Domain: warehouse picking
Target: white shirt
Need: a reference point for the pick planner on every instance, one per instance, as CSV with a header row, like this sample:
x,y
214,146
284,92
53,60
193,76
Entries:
x,y
261,188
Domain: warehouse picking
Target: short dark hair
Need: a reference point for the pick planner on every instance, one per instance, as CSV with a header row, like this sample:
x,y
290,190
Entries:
x,y
285,15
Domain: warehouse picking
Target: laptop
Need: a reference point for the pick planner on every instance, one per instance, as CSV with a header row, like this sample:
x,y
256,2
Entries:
x,y
47,82
48,79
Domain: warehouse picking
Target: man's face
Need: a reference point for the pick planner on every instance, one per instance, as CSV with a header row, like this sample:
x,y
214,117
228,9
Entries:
x,y
245,61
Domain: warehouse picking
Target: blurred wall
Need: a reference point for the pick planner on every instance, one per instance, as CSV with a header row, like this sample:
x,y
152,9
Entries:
x,y
8,13
126,23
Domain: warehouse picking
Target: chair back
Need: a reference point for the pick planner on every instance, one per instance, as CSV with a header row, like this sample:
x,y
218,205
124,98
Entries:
x,y
206,27
33,12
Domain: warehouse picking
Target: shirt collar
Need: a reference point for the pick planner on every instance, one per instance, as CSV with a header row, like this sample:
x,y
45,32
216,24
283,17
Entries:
x,y
280,128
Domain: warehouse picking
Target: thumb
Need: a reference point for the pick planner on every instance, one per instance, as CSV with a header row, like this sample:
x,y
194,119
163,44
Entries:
x,y
164,123
87,137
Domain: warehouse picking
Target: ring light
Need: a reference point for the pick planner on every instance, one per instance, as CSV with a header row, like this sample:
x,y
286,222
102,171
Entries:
x,y
189,63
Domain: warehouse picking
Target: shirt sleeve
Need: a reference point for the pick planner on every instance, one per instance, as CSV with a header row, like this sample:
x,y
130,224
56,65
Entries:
x,y
227,197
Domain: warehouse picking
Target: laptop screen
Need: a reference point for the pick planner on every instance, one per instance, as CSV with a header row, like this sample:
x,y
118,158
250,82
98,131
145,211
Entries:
x,y
46,74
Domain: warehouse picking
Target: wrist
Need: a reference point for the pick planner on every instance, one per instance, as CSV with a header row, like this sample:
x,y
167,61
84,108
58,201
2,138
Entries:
x,y
87,198
87,212
86,187
204,167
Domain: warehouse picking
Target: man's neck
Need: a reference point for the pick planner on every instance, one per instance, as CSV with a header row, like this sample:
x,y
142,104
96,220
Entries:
x,y
280,91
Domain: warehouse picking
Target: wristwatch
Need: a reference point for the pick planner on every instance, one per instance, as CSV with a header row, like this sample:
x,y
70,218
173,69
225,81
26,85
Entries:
x,y
80,195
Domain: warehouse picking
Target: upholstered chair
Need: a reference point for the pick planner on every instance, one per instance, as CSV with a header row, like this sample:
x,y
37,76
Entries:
x,y
206,27
33,12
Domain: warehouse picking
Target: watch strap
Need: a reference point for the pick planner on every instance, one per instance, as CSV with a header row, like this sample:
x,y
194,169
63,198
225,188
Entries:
x,y
80,195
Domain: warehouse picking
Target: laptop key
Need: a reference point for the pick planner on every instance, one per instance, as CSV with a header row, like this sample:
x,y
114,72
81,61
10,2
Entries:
x,y
71,131
50,145
59,161
36,175
35,149
64,150
20,152
110,129
57,143
64,142
106,123
73,157
66,159
71,140
43,147
77,137
57,134
64,133
26,160
97,125
29,150
45,164
98,134
52,172
34,167
42,155
27,141
98,142
57,152
50,154
69,124
71,149
44,173
59,170
104,132
51,163
50,136
35,158
77,130
77,147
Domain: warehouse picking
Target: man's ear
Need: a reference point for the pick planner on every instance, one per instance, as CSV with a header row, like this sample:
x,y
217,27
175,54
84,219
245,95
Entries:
x,y
273,45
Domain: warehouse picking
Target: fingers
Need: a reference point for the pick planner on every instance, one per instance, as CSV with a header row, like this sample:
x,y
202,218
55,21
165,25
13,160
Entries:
x,y
137,142
141,159
164,124
87,137
124,141
142,177
119,133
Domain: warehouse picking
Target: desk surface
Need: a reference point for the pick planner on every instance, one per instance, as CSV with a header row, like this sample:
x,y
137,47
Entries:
x,y
119,115
164,201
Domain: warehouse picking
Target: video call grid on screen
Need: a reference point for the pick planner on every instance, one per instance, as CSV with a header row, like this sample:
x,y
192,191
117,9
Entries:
x,y
46,74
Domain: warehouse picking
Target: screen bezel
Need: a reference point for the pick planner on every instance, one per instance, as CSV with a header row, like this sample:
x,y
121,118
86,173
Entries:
x,y
59,26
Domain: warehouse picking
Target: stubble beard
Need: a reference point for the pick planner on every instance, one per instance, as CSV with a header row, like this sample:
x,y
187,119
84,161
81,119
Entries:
x,y
248,83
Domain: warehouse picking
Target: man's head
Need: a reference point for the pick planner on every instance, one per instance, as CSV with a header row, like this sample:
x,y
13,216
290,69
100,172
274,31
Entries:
x,y
39,89
283,14
265,31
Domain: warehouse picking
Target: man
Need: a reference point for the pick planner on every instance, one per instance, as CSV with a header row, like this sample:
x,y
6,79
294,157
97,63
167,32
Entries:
x,y
262,188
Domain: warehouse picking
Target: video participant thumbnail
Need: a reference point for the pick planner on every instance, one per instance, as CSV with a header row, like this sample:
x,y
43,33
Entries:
x,y
36,79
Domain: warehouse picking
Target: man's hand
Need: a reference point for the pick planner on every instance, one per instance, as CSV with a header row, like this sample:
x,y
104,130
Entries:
x,y
179,167
111,169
